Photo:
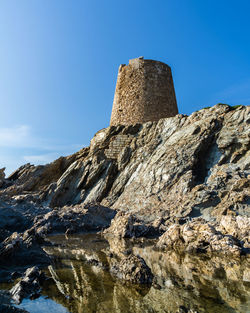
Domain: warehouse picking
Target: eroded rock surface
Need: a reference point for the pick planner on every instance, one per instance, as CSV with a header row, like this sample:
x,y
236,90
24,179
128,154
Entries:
x,y
198,236
132,269
20,251
6,305
28,286
158,173
127,225
73,219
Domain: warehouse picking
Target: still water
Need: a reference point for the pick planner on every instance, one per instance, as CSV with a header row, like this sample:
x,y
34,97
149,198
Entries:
x,y
82,283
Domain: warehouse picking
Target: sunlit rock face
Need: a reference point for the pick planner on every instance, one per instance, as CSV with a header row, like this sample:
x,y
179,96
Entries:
x,y
189,164
159,173
200,284
200,236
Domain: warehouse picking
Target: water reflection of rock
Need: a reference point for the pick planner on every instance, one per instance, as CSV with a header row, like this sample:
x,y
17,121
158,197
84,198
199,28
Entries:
x,y
199,283
222,284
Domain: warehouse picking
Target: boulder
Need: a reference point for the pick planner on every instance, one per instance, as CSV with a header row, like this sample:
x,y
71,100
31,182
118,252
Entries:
x,y
132,269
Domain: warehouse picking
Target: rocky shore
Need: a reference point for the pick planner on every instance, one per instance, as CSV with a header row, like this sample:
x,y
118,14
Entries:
x,y
183,181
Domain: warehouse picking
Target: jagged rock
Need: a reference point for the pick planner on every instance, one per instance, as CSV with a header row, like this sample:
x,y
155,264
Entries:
x,y
132,269
11,221
198,236
236,226
20,251
2,173
173,170
6,305
36,180
72,219
126,225
3,181
28,286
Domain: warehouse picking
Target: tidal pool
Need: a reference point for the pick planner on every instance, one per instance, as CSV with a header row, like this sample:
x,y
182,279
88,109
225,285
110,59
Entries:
x,y
82,282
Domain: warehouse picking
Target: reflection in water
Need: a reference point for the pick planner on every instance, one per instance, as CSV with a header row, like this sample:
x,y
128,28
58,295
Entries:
x,y
42,305
82,283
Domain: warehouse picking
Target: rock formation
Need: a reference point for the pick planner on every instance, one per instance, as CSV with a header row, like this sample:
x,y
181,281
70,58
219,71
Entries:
x,y
28,286
182,180
158,174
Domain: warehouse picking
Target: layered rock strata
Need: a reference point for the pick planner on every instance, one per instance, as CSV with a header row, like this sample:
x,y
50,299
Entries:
x,y
164,173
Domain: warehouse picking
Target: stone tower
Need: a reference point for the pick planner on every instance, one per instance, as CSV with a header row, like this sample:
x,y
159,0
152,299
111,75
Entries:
x,y
144,92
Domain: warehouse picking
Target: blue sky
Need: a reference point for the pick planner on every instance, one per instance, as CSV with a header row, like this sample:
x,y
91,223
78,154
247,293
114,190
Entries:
x,y
59,61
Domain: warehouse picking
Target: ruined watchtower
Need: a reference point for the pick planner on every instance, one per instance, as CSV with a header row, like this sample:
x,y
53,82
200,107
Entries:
x,y
144,92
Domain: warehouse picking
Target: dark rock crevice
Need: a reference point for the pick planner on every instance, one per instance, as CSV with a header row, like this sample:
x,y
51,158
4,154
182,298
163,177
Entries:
x,y
207,156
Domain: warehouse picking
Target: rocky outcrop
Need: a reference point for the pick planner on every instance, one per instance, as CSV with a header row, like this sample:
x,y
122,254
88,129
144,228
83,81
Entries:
x,y
169,172
28,286
126,225
29,182
73,219
20,251
6,305
229,236
11,221
198,236
236,226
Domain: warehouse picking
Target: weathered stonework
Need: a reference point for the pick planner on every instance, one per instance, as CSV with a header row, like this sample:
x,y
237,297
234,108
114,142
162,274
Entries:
x,y
144,92
116,145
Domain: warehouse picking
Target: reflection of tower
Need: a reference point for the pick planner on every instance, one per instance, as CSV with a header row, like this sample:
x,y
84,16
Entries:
x,y
144,92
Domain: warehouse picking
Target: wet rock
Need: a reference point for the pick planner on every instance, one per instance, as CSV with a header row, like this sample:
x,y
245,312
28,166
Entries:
x,y
28,286
6,305
189,280
132,269
20,251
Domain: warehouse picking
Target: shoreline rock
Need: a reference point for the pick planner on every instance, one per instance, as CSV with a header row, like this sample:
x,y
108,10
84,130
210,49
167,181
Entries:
x,y
132,269
29,286
198,236
18,252
184,178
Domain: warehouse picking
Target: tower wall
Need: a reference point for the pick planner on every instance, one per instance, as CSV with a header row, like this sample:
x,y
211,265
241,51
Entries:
x,y
144,92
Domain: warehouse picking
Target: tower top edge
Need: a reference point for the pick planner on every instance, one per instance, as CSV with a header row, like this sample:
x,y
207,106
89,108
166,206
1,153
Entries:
x,y
141,61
